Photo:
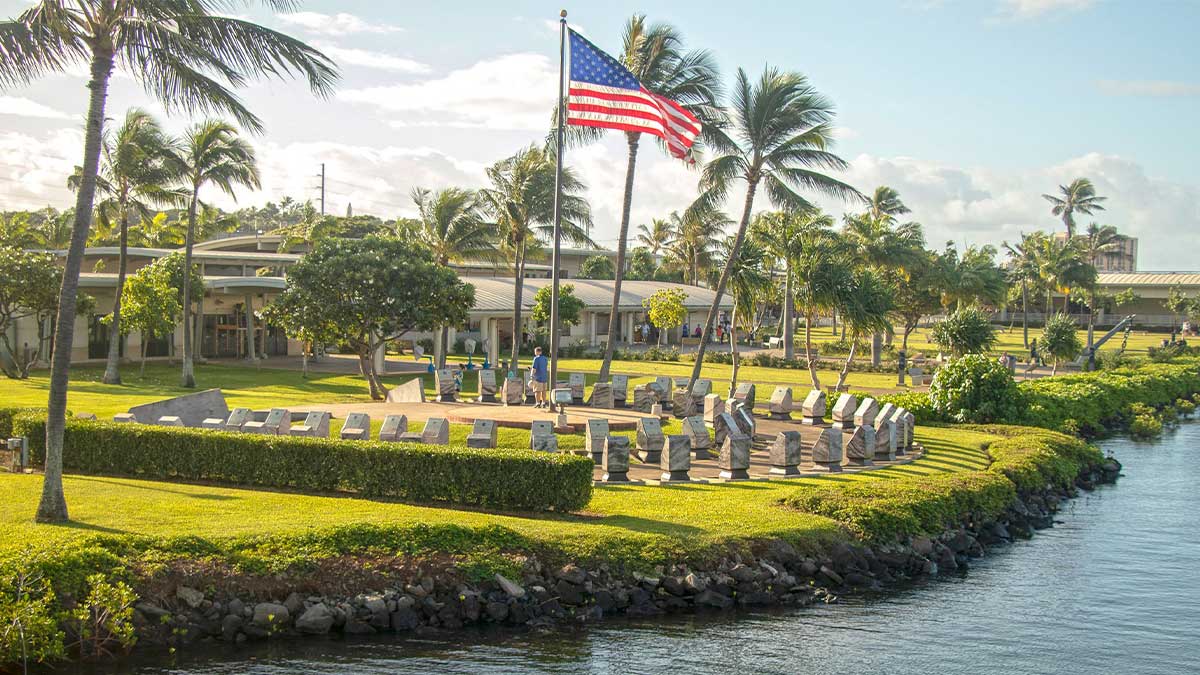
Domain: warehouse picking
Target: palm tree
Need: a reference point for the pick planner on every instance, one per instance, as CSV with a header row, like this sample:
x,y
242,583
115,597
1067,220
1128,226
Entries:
x,y
453,229
1061,267
1097,241
212,154
521,200
657,237
864,308
1023,270
1078,197
972,278
749,281
183,53
823,277
655,55
885,204
137,167
779,136
779,234
696,234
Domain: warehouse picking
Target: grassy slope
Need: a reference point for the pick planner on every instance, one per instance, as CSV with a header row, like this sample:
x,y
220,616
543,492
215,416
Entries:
x,y
692,515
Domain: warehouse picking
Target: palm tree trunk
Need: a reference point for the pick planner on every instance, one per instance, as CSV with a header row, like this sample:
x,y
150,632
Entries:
x,y
1025,311
187,378
53,505
789,313
733,350
112,370
606,364
304,347
142,369
808,352
716,303
518,289
846,368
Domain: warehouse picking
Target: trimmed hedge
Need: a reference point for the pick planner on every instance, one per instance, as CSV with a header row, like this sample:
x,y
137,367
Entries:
x,y
1023,460
6,419
498,479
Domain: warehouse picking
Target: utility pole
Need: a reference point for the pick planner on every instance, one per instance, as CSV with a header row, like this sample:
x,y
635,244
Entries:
x,y
322,188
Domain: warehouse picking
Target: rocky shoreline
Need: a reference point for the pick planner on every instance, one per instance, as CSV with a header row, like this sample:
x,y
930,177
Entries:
x,y
424,595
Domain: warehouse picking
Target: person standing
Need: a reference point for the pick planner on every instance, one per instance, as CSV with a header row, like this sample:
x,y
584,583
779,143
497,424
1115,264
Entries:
x,y
539,374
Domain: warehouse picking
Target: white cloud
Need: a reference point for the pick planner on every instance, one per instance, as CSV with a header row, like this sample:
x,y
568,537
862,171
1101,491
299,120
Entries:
x,y
34,170
336,24
977,205
23,107
372,59
1030,9
508,92
1148,88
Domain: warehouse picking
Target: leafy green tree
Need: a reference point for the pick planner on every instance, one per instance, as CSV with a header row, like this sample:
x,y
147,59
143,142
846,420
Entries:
x,y
665,309
779,134
656,56
777,232
967,331
822,278
1060,340
975,389
212,154
1078,197
187,55
137,169
641,265
596,267
362,291
918,297
151,305
521,201
1176,303
1023,270
569,306
29,284
656,237
452,227
864,307
750,281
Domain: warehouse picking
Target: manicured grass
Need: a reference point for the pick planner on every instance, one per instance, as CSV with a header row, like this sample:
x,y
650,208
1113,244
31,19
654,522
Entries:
x,y
1009,340
690,516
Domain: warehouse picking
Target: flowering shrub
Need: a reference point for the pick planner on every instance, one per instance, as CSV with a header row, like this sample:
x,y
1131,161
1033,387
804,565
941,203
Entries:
x,y
975,389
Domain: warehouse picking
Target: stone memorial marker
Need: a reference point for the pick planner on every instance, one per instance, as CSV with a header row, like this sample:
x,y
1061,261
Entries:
x,y
885,441
530,396
170,421
813,408
237,418
898,418
649,440
483,434
860,449
436,431
357,427
781,404
657,410
714,406
682,403
213,423
734,459
697,435
827,451
644,398
593,441
615,461
512,392
745,422
745,394
722,426
663,387
843,412
885,413
864,415
576,381
701,389
86,417
602,395
541,436
125,418
316,425
412,391
393,427
271,424
444,379
192,409
680,382
487,385
620,390
917,375
785,454
676,460
910,423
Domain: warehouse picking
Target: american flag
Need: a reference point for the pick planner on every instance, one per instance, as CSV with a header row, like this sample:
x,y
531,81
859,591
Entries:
x,y
603,93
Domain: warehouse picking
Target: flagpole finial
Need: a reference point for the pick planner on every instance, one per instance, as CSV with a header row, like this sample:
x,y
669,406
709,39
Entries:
x,y
563,13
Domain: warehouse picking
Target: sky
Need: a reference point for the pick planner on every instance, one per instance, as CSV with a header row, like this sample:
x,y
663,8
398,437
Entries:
x,y
971,109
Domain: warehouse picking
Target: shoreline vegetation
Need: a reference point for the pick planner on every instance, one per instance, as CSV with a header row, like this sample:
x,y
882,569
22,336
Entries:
x,y
96,590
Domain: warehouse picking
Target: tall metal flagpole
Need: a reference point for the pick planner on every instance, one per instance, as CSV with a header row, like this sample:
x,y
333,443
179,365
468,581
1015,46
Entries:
x,y
554,259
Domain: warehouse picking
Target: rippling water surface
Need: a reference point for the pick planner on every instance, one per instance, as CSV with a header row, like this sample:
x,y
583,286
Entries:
x,y
1112,588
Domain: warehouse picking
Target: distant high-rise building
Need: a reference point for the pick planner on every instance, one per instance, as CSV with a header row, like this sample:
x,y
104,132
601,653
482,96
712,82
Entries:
x,y
1122,259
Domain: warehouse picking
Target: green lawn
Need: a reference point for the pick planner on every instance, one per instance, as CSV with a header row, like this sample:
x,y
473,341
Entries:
x,y
1009,340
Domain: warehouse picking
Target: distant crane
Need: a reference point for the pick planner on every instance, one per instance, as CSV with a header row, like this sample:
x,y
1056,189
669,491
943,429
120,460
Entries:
x,y
1125,324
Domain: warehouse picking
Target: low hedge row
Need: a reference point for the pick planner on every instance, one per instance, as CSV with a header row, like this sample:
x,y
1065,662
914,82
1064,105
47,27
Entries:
x,y
6,419
498,479
888,511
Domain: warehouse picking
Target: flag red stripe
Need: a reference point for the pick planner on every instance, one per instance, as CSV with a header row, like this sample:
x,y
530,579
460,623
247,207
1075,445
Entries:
x,y
688,120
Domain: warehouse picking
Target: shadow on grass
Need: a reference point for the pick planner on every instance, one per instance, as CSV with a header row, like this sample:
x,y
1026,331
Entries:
x,y
141,486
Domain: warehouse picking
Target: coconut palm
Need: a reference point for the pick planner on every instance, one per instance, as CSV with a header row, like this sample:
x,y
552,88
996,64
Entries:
x,y
1096,241
778,233
212,153
1078,197
778,138
1062,266
696,235
657,237
655,55
864,308
183,53
452,227
1023,271
138,165
972,278
521,202
749,281
885,204
822,277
